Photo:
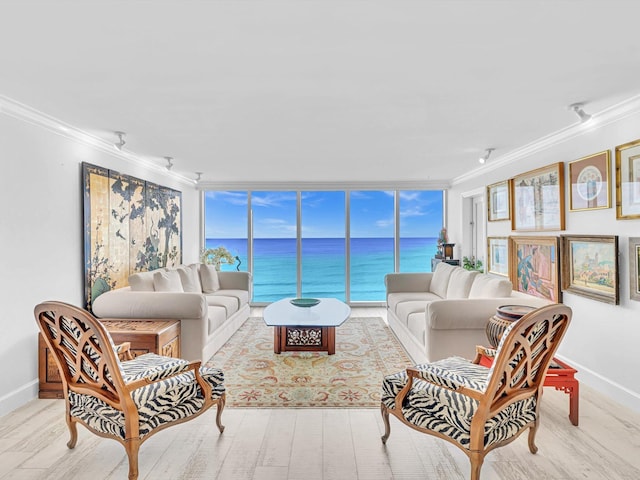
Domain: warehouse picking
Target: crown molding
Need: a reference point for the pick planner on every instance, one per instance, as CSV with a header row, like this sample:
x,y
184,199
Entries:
x,y
615,113
32,116
323,186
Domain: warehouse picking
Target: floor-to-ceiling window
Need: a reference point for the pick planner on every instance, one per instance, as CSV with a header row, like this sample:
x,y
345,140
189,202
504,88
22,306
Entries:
x,y
420,214
226,226
372,227
275,249
324,243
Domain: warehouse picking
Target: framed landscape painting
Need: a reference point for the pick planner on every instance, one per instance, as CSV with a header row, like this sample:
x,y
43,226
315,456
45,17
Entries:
x,y
498,255
634,268
589,179
590,266
498,201
628,180
534,267
537,199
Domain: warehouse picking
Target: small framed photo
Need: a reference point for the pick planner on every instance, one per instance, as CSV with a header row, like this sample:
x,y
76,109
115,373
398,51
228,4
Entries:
x,y
498,255
590,266
634,267
498,201
628,180
589,177
534,267
537,199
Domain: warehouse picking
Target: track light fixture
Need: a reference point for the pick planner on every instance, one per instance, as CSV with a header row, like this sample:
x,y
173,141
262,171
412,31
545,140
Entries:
x,y
198,176
120,143
582,115
487,154
169,163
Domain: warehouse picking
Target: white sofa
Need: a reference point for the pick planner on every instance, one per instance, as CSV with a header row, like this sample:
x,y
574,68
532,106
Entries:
x,y
445,313
210,305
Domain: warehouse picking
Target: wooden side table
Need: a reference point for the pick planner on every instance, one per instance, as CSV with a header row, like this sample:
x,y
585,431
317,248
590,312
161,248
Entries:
x,y
146,336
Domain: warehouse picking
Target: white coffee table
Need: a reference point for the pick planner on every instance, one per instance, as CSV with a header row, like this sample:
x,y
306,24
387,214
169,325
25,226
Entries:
x,y
309,329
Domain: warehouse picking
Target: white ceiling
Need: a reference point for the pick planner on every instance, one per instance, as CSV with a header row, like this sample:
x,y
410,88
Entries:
x,y
328,91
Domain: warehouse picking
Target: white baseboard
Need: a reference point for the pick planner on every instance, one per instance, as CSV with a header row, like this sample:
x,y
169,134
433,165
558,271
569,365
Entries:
x,y
18,397
609,388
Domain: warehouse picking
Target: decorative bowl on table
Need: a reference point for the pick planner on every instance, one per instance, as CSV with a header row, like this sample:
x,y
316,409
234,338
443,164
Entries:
x,y
505,316
304,302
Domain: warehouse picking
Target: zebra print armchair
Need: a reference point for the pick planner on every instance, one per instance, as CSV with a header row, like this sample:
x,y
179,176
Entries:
x,y
126,400
475,407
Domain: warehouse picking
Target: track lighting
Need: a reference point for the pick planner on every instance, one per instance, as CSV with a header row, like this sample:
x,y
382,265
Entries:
x,y
120,143
169,163
487,154
582,115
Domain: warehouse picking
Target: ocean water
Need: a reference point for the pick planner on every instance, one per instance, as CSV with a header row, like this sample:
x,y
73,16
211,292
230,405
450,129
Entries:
x,y
324,265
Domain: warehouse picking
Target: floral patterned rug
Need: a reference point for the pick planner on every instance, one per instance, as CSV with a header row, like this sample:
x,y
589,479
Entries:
x,y
366,351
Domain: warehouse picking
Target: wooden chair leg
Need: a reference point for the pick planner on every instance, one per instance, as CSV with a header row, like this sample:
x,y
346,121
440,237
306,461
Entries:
x,y
73,432
476,464
532,438
132,446
385,418
221,402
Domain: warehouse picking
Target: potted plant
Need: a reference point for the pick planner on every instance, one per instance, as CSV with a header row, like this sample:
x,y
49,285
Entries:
x,y
217,256
472,263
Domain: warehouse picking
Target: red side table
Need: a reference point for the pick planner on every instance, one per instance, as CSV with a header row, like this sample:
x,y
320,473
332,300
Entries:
x,y
561,376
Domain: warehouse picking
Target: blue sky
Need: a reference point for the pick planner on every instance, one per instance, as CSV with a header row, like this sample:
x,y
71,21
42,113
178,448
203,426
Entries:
x,y
323,214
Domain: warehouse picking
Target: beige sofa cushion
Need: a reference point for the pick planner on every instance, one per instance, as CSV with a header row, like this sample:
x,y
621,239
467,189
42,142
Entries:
x,y
141,282
440,279
394,299
485,286
167,281
209,278
460,282
190,278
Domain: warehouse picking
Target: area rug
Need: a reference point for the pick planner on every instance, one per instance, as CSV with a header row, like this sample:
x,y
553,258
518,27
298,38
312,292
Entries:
x,y
255,376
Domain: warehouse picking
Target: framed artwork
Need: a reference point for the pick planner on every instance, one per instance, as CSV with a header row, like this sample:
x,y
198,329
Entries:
x,y
498,201
628,180
498,255
590,266
634,267
589,177
130,225
534,267
537,199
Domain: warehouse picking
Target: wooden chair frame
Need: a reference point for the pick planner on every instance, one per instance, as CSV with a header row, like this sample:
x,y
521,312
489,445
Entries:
x,y
519,372
106,382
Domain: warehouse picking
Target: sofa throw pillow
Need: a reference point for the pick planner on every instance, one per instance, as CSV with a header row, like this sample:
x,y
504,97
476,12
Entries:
x,y
460,282
167,281
189,278
141,282
209,278
440,279
485,286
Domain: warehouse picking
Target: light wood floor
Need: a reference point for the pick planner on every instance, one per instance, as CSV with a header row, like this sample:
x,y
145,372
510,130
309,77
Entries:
x,y
323,444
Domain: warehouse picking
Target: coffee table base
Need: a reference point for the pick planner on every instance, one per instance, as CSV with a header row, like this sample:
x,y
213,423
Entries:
x,y
304,339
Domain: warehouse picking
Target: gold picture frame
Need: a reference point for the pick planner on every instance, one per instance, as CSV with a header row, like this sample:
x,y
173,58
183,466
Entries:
x,y
498,201
498,255
534,266
537,199
634,268
628,180
590,266
589,181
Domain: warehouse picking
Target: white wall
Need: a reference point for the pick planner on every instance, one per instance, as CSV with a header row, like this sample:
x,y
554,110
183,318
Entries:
x,y
602,341
41,238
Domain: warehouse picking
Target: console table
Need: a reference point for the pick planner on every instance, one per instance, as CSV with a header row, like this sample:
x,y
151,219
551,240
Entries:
x,y
146,336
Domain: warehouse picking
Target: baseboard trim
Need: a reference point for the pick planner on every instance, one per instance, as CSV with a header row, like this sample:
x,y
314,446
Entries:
x,y
18,397
611,389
